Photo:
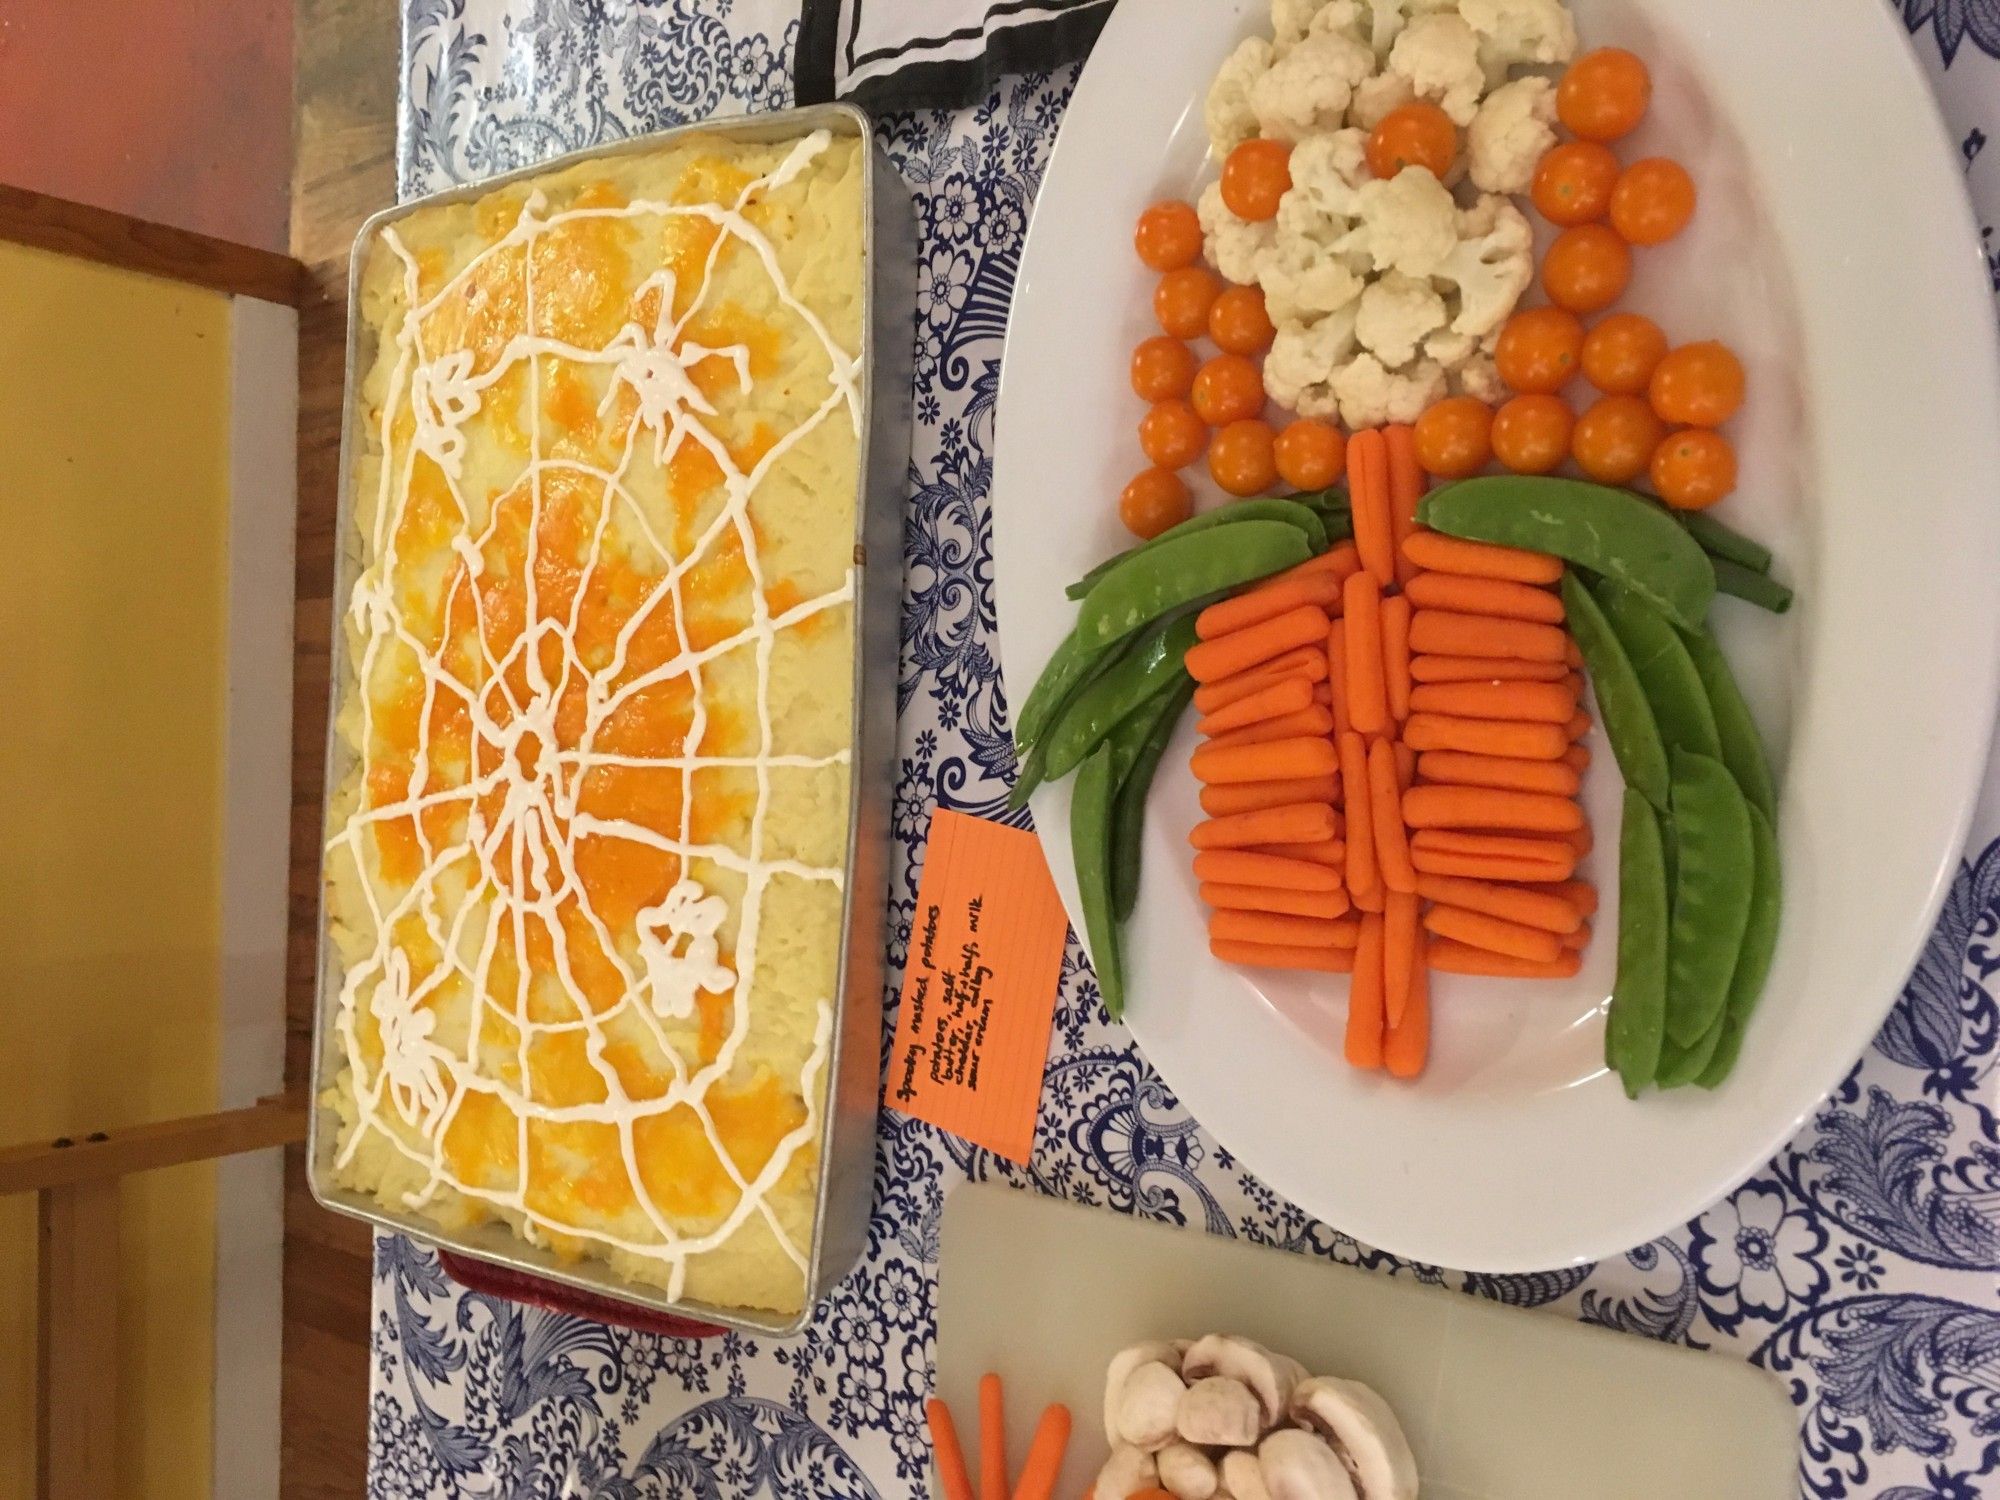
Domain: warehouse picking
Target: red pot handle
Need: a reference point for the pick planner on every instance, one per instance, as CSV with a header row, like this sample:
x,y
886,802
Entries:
x,y
517,1286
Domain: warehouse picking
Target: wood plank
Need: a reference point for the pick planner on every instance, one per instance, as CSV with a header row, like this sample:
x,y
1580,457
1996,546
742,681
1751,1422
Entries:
x,y
76,1396
115,239
70,1161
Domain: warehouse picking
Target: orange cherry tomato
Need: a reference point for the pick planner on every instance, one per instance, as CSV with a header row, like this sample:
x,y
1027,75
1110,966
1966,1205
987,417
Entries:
x,y
1241,458
1653,201
1227,389
1168,236
1182,299
1254,177
1531,433
1153,501
1697,385
1238,321
1172,435
1163,368
1538,349
1454,438
1693,468
1621,353
1574,182
1310,455
1413,135
1604,94
1614,440
1587,268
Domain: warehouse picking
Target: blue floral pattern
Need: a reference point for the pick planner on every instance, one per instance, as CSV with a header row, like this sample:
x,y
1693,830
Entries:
x,y
1860,1266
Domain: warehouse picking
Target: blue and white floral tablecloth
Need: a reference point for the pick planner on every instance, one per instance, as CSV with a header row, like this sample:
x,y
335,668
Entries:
x,y
1862,1265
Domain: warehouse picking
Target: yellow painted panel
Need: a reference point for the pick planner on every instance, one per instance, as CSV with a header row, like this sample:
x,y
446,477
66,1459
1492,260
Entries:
x,y
114,495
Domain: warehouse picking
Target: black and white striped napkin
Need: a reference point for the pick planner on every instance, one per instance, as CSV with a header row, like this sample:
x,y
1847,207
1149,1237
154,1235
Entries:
x,y
934,54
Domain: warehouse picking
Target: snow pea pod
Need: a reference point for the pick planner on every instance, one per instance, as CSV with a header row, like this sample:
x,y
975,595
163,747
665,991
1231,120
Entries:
x,y
1760,941
1067,668
1712,889
1090,846
1152,582
1742,746
1718,540
1612,532
1637,1021
1151,730
1116,692
1752,587
1683,1065
1295,511
1621,701
1673,688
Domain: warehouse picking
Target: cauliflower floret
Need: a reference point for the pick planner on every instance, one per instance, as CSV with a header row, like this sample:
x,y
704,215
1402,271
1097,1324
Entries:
x,y
1232,245
1408,223
1479,376
1307,89
1395,315
1376,97
1321,203
1491,265
1513,128
1303,360
1439,54
1227,113
1371,394
1303,279
1292,21
1520,33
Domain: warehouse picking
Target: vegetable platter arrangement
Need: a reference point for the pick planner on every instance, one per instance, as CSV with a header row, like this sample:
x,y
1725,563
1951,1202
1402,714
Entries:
x,y
1393,682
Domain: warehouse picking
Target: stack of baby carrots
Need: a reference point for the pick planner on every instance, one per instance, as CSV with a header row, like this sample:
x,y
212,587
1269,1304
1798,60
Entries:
x,y
1390,765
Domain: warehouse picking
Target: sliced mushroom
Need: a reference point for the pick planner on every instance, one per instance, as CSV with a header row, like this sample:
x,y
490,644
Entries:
x,y
1363,1431
1128,1471
1220,1413
1186,1472
1123,1363
1270,1377
1242,1477
1300,1465
1149,1407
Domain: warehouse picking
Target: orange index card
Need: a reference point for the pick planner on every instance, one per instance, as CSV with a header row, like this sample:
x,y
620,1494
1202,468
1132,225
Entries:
x,y
979,986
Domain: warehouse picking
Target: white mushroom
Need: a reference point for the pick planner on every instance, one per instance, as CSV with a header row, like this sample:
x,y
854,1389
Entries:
x,y
1365,1433
1220,1412
1186,1472
1243,1477
1298,1465
1248,1361
1125,1473
1149,1405
1123,1363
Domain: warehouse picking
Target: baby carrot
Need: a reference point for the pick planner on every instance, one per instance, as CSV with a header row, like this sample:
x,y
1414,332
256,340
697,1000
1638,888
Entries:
x,y
1279,871
1493,934
1312,719
1435,552
1340,560
1545,908
1408,1044
1489,856
992,1438
1282,931
1456,768
1580,839
1573,680
1336,676
1484,596
1255,796
1573,656
1308,663
1406,488
1444,632
1578,726
1578,893
957,1484
1448,957
1364,998
1368,500
1483,669
1321,904
1396,655
1045,1454
1577,758
1241,650
1270,599
1363,874
1392,848
1274,760
1272,956
1526,702
1579,940
1400,944
1285,696
1489,807
1361,624
1485,736
1406,766
1332,853
1295,823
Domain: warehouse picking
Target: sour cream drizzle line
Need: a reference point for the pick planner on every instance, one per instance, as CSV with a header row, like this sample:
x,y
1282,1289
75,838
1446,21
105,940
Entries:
x,y
444,394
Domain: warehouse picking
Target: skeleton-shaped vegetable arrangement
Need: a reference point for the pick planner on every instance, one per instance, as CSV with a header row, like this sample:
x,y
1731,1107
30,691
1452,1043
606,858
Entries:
x,y
1223,1418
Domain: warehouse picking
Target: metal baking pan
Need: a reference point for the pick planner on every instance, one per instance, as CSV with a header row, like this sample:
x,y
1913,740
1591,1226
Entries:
x,y
847,1133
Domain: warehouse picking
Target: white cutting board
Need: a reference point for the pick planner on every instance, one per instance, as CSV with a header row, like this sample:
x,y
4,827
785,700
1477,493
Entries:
x,y
1499,1403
